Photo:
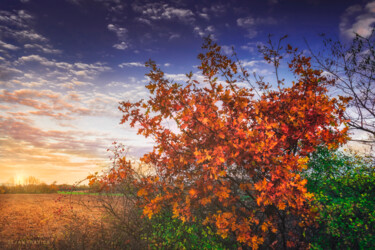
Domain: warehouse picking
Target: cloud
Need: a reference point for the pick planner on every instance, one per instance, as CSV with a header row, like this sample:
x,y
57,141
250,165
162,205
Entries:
x,y
117,84
143,20
46,102
28,35
64,141
7,73
204,16
247,63
252,46
19,18
163,11
17,26
358,20
251,24
246,22
8,46
119,31
121,34
215,10
174,36
65,71
121,46
209,30
131,64
43,48
227,50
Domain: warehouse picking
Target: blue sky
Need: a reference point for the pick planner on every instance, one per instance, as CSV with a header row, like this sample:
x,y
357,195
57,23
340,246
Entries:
x,y
65,65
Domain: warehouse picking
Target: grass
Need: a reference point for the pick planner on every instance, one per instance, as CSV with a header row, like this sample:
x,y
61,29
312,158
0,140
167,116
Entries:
x,y
85,193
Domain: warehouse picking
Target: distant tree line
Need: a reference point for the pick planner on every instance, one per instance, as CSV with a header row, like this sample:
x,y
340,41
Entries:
x,y
32,185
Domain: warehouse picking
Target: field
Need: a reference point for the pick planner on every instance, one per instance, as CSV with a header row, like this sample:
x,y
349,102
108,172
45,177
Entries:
x,y
35,220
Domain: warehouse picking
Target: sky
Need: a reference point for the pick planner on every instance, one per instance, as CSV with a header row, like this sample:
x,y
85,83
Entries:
x,y
66,64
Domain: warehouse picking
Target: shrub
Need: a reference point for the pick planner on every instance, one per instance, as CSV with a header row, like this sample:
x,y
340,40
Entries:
x,y
169,231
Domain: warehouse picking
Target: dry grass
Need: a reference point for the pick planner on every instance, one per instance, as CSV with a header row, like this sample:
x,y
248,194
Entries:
x,y
38,220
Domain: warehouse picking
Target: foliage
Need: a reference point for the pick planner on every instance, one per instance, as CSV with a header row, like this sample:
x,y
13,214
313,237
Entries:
x,y
235,156
344,187
168,231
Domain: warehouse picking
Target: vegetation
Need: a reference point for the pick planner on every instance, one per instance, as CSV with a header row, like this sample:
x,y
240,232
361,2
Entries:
x,y
344,187
246,167
234,162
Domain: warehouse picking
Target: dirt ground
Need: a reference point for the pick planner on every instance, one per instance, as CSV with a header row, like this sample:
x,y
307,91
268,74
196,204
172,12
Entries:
x,y
46,216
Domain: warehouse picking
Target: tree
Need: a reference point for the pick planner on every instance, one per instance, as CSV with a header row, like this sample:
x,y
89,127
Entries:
x,y
236,154
353,68
343,186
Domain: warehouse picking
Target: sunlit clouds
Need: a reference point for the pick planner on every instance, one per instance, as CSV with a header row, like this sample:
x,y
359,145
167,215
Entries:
x,y
66,65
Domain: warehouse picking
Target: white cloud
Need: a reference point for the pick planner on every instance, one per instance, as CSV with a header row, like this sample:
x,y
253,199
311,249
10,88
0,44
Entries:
x,y
44,48
121,46
22,35
251,24
162,11
121,34
246,63
209,30
59,74
358,20
8,46
117,84
18,25
204,16
131,64
119,31
174,36
215,9
246,22
7,73
227,50
143,20
177,77
19,18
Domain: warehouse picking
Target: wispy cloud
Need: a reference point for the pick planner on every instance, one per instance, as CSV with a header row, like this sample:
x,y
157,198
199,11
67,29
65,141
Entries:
x,y
45,49
121,34
209,30
131,64
163,11
18,27
46,102
251,24
67,74
8,46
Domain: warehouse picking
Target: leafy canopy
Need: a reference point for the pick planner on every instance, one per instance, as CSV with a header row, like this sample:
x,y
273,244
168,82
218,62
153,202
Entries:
x,y
235,155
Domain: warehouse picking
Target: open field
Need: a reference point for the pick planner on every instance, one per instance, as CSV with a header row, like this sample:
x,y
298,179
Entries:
x,y
45,219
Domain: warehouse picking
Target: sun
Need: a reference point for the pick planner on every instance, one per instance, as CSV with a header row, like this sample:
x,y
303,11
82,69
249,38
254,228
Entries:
x,y
19,180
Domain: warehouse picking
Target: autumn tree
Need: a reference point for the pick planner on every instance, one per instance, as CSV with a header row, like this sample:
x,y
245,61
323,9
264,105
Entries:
x,y
235,153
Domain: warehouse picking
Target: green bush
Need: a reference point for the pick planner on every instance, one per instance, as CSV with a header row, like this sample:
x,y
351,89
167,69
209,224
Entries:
x,y
344,188
168,232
